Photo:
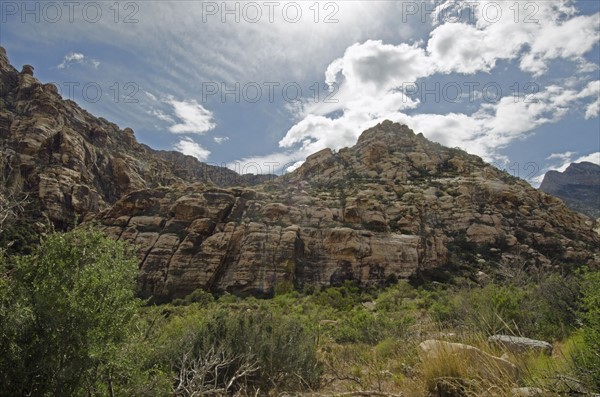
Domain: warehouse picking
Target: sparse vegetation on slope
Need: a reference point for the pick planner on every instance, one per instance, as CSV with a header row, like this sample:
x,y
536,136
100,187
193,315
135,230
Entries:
x,y
70,325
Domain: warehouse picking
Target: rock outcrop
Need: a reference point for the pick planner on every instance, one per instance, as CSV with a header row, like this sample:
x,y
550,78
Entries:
x,y
578,186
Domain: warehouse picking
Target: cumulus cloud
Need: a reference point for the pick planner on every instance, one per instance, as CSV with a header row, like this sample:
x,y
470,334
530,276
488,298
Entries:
x,y
189,147
77,58
194,118
373,79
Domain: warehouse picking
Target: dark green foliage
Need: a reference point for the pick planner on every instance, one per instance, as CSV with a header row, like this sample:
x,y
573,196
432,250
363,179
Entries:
x,y
588,358
340,298
65,309
199,296
20,237
364,326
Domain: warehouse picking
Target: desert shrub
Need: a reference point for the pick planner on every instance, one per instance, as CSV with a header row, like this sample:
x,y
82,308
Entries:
x,y
371,327
400,296
551,307
342,298
280,349
546,310
199,296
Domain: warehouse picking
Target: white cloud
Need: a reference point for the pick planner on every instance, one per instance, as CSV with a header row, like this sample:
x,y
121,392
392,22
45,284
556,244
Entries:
x,y
372,77
220,139
593,109
535,32
162,116
569,40
275,163
566,156
189,147
590,158
77,58
195,119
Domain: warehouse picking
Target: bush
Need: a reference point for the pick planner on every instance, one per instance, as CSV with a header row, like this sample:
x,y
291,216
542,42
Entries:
x,y
281,350
364,326
547,310
342,298
66,309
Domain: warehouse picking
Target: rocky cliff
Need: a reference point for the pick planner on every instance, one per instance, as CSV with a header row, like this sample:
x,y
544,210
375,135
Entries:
x,y
578,186
72,164
390,207
393,206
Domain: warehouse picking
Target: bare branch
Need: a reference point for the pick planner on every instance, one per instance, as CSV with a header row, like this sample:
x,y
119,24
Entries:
x,y
214,373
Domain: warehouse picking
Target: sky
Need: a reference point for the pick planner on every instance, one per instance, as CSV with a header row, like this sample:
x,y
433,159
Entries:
x,y
260,85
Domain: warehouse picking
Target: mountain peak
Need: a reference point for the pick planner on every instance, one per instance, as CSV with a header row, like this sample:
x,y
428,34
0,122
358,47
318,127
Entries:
x,y
387,131
578,186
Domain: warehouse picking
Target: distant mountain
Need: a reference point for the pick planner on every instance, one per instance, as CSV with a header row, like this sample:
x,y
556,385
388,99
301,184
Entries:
x,y
578,186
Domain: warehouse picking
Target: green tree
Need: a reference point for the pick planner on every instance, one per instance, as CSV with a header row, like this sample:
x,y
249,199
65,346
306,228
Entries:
x,y
64,312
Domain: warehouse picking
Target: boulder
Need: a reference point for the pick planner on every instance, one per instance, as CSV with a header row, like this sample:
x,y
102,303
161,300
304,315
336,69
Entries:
x,y
516,344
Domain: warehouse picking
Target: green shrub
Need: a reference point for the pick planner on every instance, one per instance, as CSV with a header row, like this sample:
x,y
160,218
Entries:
x,y
282,349
66,311
364,326
342,298
588,358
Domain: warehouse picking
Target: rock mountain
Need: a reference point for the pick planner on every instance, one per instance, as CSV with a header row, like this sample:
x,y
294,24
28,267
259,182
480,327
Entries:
x,y
578,186
73,164
393,206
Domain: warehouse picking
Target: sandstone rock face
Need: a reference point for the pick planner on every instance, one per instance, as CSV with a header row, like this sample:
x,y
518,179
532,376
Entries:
x,y
517,344
390,207
578,186
240,241
74,164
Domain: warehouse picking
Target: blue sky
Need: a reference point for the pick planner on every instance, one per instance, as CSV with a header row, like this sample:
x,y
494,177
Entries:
x,y
268,83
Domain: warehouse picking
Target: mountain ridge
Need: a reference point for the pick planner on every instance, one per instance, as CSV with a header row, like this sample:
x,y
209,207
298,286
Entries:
x,y
395,205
